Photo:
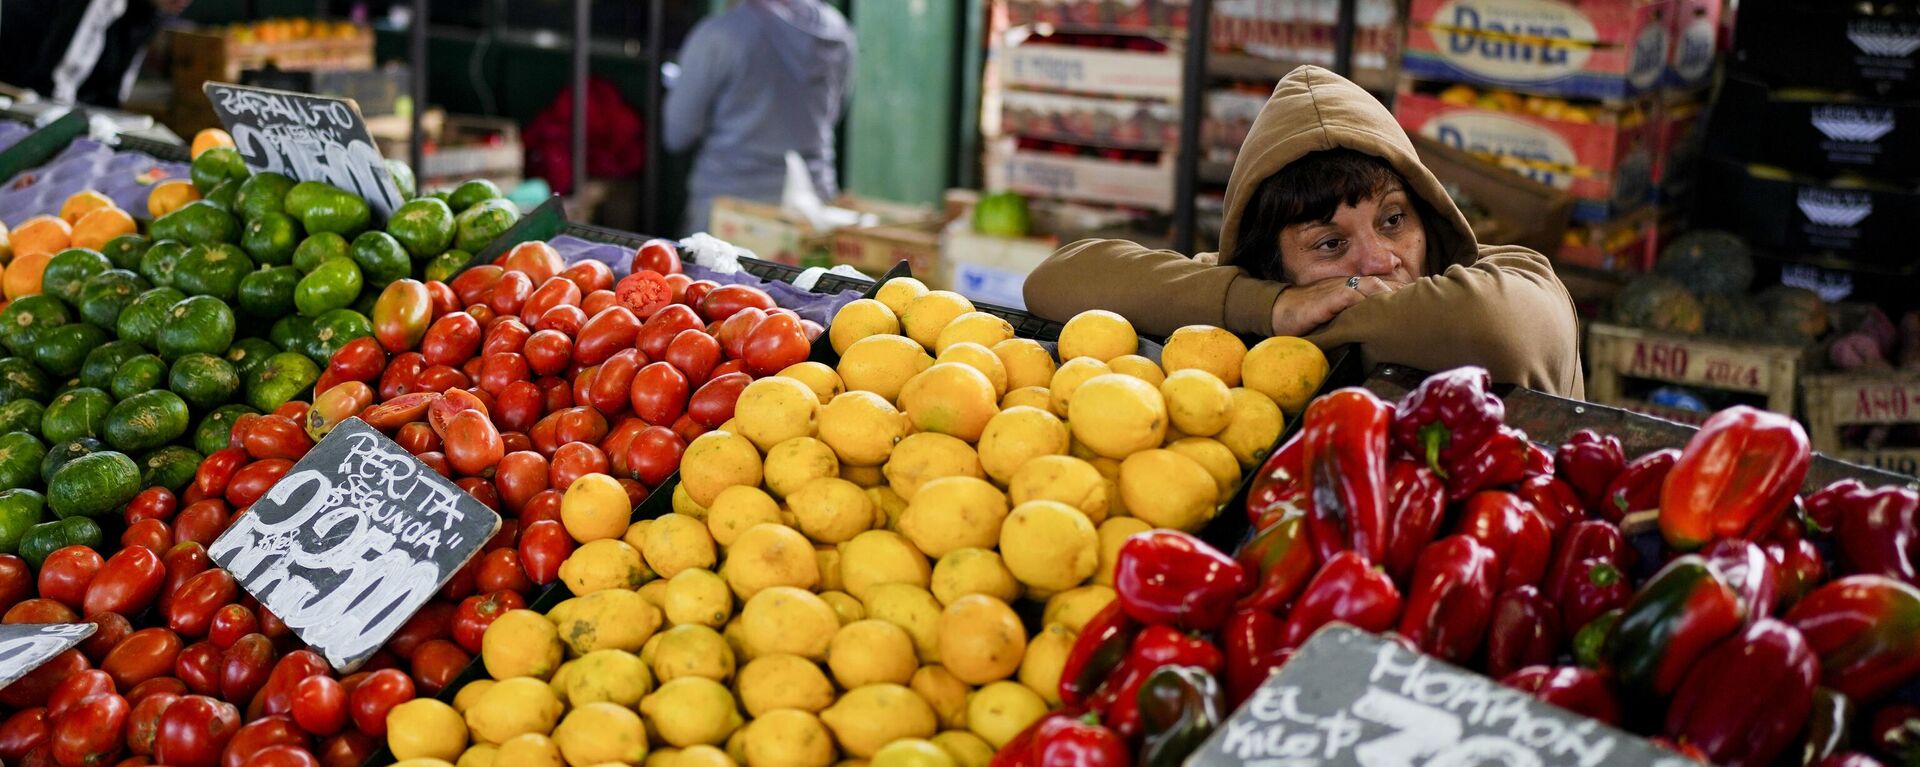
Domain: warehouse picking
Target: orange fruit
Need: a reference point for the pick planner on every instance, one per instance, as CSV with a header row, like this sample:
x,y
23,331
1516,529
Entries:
x,y
169,196
22,277
96,228
209,138
82,203
44,235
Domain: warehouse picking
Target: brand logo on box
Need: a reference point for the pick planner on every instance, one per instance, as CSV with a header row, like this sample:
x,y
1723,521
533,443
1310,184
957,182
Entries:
x,y
1693,52
1649,56
1496,134
1856,124
1882,38
1835,209
1055,69
1051,177
1482,40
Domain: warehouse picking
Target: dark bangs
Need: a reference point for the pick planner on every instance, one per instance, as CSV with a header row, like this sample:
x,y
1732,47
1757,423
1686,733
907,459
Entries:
x,y
1308,189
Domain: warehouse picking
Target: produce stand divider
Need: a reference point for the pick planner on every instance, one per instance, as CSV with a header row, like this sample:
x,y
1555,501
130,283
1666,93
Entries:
x,y
166,151
1837,400
42,144
1616,353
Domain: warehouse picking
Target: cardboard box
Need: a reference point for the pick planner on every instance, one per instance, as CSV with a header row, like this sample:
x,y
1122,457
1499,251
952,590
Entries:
x,y
1868,228
774,235
1822,135
1154,17
1303,30
1228,116
200,55
875,249
991,269
1141,74
459,147
1597,49
1626,244
1695,44
1521,211
375,91
1122,123
1829,45
1090,179
1606,164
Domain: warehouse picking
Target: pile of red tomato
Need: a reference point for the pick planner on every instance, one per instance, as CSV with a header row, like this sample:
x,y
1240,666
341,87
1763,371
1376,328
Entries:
x,y
548,373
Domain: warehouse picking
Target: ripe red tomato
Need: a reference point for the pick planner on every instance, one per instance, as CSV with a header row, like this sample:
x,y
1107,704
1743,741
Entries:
x,y
713,404
194,730
606,333
152,503
402,371
775,344
663,326
812,330
277,696
520,476
150,534
564,318
557,392
510,293
694,353
507,334
277,437
401,316
441,378
500,571
655,454
520,405
473,283
258,735
319,705
66,573
580,424
283,756
575,460
696,291
436,663
734,331
73,689
143,655
558,291
92,732
143,722
549,352
442,297
501,369
482,313
229,624
361,359
644,292
589,275
183,561
545,505
658,256
453,401
128,582
451,340
34,611
689,429
725,301
16,581
608,392
348,749
433,621
201,522
252,482
211,478
109,629
659,393
191,610
536,260
244,667
199,666
370,702
478,612
417,438
473,444
598,301
618,440
729,366
543,546
157,686
22,732
33,689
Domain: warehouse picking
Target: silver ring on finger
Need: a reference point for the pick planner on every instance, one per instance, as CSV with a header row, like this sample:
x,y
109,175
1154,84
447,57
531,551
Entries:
x,y
1353,282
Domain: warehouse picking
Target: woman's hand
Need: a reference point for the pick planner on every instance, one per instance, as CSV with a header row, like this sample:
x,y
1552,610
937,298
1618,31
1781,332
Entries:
x,y
1302,308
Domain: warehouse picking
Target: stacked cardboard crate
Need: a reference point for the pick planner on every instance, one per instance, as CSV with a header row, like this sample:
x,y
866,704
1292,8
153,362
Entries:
x,y
222,54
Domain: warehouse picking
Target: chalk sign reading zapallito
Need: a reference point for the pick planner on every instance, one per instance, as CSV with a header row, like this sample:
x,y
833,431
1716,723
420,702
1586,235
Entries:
x,y
307,138
1351,698
355,538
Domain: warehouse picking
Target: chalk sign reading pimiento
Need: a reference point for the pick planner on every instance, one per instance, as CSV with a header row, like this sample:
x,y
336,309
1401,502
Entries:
x,y
307,138
25,647
353,541
1351,698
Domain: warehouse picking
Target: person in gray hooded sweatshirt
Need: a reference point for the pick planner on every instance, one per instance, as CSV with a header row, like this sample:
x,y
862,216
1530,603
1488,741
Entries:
x,y
756,81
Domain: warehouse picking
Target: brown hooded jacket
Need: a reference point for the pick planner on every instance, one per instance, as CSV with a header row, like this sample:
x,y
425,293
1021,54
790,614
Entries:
x,y
1500,307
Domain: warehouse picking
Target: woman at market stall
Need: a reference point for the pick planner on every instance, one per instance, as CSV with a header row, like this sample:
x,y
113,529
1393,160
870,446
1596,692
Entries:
x,y
1336,232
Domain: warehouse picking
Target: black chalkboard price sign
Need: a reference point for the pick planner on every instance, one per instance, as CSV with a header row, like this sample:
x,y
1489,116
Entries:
x,y
307,138
1351,698
353,541
24,647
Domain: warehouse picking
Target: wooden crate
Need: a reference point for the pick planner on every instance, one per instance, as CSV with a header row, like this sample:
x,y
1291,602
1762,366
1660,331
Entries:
x,y
1839,400
1615,353
202,55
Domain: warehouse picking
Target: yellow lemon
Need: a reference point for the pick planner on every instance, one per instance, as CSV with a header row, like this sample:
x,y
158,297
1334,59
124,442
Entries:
x,y
882,365
896,293
1028,396
598,733
608,676
859,319
1114,532
791,621
1117,415
927,315
870,652
698,597
862,427
1256,425
770,555
715,461
974,328
1068,378
1001,710
595,507
424,728
1026,361
950,398
1062,478
1049,545
1099,334
1044,660
1198,404
828,556
876,557
831,510
953,513
888,507
1138,367
797,461
911,608
1288,370
912,752
783,681
737,508
655,592
973,571
513,707
603,564
1166,489
787,738
1017,435
1215,458
1207,348
818,377
604,620
464,699
845,606
478,756
521,643
684,504
692,651
869,717
677,542
532,749
1075,607
863,476
924,457
966,748
773,410
945,693
981,640
979,358
702,756
691,711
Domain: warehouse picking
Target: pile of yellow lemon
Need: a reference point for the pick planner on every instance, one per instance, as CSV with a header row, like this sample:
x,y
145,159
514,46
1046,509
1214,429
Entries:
x,y
837,577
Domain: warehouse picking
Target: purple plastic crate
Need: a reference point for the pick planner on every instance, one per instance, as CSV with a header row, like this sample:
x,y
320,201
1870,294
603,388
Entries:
x,y
125,177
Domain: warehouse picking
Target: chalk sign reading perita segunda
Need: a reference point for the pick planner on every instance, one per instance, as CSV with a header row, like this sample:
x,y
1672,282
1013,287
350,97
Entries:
x,y
26,646
355,538
307,138
1351,698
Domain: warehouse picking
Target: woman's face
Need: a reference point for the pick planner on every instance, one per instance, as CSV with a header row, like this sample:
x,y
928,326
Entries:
x,y
1380,237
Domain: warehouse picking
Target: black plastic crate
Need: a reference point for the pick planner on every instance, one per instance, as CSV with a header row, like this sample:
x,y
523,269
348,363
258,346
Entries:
x,y
165,151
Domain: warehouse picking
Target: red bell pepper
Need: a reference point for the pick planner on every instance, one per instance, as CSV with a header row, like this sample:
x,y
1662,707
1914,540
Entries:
x,y
1822,509
1419,507
1064,739
1866,630
1279,487
1515,532
1539,461
1797,566
1346,473
1555,500
1179,707
1684,609
1525,631
1582,691
1830,725
1593,587
1587,539
1346,589
1447,416
1167,576
1500,460
1452,601
1590,642
1747,698
1252,640
1588,462
1637,487
1097,651
1746,568
1279,560
1734,479
1118,700
1875,530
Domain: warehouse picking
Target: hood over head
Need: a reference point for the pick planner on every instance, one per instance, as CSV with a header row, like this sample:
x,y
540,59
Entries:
x,y
1314,110
809,36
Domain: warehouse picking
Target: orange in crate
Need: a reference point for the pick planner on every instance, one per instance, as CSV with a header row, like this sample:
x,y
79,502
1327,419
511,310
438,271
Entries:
x,y
209,138
96,228
42,235
169,196
22,277
82,203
